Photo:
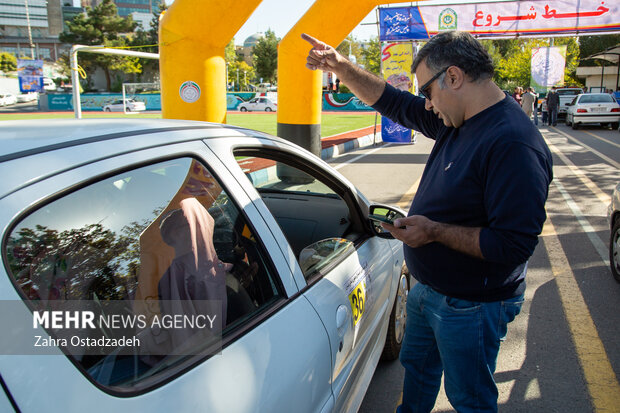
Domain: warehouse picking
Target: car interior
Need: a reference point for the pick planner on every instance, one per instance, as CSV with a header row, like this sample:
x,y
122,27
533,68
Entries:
x,y
306,208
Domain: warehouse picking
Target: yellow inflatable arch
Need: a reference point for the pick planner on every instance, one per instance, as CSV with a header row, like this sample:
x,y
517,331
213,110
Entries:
x,y
193,35
299,89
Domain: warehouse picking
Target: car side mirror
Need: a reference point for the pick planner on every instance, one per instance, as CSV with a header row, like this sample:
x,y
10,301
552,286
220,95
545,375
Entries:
x,y
383,213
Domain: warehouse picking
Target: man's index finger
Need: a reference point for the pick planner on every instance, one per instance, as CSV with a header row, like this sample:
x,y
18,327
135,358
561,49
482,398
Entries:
x,y
314,42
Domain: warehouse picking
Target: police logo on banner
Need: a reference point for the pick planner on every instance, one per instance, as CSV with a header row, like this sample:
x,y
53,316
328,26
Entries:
x,y
447,19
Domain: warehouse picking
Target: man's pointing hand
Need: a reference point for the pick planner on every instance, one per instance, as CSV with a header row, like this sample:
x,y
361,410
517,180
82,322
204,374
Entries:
x,y
321,56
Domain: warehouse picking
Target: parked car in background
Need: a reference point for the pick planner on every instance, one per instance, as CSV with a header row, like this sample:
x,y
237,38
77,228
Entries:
x,y
592,108
157,216
7,99
27,97
566,95
258,104
48,84
613,215
129,105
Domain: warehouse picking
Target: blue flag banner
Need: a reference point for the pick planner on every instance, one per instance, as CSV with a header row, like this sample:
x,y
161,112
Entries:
x,y
393,132
401,23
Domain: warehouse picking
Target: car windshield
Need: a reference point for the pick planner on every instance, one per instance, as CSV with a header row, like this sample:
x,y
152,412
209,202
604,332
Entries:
x,y
569,92
602,98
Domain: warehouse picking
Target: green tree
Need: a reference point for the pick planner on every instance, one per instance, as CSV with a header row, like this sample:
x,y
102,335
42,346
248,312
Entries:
x,y
247,74
102,26
230,53
350,47
266,57
512,60
8,62
148,40
371,55
589,45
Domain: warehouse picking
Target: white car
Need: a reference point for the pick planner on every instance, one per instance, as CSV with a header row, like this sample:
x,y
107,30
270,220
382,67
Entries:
x,y
7,99
258,104
27,97
164,265
593,108
130,105
48,84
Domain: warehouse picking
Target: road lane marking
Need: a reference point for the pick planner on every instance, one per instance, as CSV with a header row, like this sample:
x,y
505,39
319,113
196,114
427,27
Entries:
x,y
602,196
340,165
589,230
606,158
405,201
600,378
602,139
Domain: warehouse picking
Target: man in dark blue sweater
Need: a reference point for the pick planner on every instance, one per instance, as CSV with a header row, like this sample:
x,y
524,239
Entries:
x,y
474,221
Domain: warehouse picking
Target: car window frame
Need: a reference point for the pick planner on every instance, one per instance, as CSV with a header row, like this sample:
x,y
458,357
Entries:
x,y
107,170
356,214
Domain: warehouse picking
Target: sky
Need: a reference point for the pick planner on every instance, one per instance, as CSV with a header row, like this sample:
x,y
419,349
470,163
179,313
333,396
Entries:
x,y
281,15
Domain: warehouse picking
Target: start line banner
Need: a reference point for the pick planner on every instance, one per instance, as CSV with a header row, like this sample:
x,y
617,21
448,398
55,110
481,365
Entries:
x,y
534,18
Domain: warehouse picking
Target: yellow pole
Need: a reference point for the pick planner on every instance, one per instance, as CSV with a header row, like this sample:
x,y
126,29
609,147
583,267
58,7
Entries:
x,y
300,89
193,35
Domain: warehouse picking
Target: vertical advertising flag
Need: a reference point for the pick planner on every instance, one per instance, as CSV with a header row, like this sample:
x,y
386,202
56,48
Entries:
x,y
396,61
547,66
30,75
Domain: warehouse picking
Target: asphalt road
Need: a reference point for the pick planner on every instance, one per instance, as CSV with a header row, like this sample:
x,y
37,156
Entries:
x,y
562,353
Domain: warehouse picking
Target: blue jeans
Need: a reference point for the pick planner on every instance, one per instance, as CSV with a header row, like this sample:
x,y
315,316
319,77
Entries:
x,y
459,338
536,116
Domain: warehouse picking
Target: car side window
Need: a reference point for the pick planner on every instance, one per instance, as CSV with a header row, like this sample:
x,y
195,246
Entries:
x,y
162,232
315,220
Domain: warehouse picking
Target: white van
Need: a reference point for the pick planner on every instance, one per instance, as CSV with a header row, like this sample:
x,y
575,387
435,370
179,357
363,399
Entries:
x,y
48,84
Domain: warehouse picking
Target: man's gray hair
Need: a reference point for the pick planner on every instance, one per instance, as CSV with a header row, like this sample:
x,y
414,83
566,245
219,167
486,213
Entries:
x,y
453,48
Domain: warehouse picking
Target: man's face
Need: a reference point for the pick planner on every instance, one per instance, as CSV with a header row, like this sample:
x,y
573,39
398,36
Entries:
x,y
440,101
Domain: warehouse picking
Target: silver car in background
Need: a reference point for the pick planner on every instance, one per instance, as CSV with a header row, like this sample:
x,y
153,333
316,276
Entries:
x,y
592,108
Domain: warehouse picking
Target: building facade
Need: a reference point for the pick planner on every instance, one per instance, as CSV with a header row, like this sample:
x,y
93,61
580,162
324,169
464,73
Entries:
x,y
30,28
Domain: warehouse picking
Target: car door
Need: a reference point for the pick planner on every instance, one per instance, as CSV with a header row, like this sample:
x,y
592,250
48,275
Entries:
x,y
262,104
346,274
275,352
253,104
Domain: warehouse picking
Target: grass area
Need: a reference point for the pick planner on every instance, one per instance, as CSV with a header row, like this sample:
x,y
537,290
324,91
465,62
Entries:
x,y
331,123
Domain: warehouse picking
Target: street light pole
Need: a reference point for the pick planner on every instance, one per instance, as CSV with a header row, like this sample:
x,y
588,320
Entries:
x,y
245,77
238,78
29,29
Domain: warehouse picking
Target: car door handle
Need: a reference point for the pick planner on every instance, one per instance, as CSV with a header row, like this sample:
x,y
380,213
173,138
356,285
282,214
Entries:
x,y
342,316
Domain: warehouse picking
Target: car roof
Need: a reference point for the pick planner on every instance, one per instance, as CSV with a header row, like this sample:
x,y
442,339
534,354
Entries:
x,y
23,138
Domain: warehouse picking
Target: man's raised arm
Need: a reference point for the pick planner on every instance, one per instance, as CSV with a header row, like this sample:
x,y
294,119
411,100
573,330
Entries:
x,y
365,85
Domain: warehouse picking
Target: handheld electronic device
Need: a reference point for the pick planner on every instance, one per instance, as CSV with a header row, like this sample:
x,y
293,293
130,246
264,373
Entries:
x,y
381,218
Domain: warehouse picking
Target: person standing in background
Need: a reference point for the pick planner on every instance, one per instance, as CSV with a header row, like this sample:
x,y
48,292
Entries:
x,y
527,102
553,104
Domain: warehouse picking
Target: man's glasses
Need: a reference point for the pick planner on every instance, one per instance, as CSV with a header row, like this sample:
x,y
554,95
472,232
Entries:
x,y
424,89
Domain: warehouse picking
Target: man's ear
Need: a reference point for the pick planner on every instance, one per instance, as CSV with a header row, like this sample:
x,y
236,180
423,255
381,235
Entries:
x,y
455,77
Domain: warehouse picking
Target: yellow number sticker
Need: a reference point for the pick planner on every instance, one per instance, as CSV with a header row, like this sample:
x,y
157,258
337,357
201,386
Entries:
x,y
358,301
